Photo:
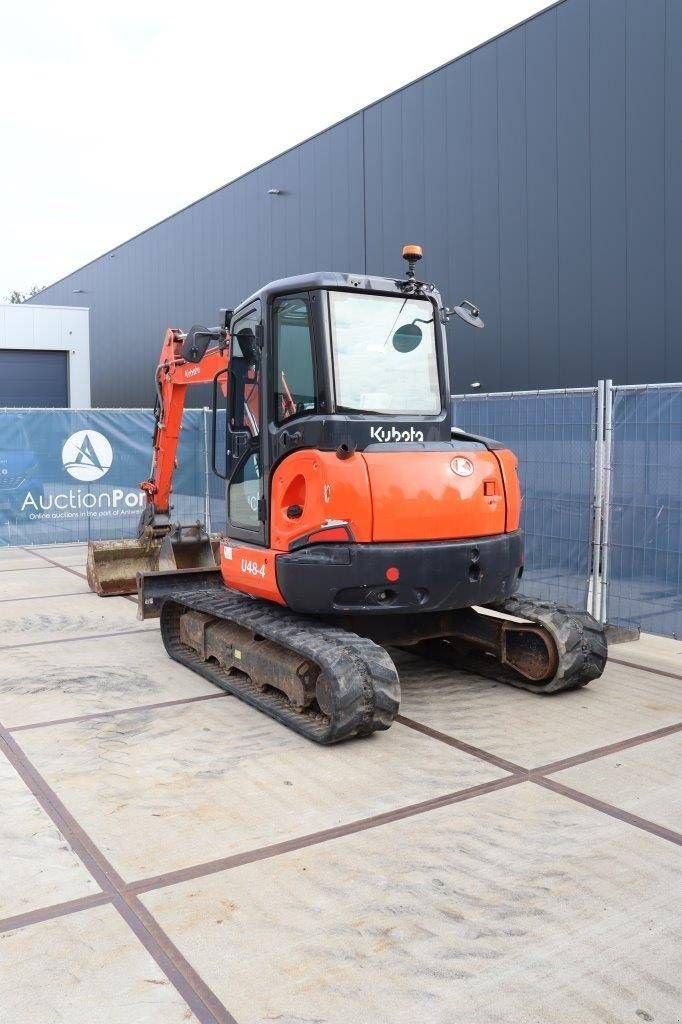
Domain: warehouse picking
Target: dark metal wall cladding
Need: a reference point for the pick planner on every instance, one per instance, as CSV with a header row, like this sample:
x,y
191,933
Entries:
x,y
542,173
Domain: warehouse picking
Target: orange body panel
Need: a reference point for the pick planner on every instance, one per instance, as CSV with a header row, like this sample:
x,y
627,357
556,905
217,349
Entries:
x,y
250,569
325,487
395,496
418,496
512,488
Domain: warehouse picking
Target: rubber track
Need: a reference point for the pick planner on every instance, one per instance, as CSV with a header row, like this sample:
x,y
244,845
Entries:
x,y
365,681
579,638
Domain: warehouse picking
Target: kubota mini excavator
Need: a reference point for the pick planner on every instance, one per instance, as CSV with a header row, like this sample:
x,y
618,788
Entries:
x,y
358,516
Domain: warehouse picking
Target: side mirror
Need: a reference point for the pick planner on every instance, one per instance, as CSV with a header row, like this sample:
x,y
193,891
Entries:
x,y
467,312
247,343
407,338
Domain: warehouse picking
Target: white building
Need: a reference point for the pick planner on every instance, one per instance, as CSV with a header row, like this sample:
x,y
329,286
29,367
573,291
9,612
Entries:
x,y
44,356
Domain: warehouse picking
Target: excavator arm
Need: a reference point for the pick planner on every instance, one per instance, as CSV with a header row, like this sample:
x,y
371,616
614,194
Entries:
x,y
174,375
186,359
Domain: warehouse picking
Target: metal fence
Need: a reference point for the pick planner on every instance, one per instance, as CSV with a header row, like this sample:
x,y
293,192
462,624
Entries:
x,y
553,434
601,470
643,548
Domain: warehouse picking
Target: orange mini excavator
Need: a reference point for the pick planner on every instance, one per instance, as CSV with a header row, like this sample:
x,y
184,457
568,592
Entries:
x,y
358,517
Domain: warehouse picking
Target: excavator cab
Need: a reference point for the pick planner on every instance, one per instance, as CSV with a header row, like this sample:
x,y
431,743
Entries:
x,y
332,429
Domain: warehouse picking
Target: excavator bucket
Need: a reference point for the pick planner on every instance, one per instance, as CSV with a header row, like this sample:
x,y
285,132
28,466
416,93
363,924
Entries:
x,y
189,548
112,566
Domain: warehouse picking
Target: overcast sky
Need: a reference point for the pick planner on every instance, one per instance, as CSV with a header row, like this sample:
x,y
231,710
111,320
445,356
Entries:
x,y
115,114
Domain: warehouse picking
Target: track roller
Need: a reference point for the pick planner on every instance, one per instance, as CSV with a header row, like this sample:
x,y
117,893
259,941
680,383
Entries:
x,y
322,682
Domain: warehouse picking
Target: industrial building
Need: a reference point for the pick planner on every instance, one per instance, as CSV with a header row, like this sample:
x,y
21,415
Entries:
x,y
44,356
542,173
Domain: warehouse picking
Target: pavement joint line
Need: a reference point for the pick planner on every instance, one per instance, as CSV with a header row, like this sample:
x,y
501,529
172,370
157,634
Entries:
x,y
609,748
553,766
117,711
33,568
466,748
54,910
73,639
199,997
60,565
57,565
41,597
609,809
646,668
169,878
192,872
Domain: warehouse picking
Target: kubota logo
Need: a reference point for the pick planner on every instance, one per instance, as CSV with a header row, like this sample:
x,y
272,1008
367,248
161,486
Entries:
x,y
462,466
387,435
87,455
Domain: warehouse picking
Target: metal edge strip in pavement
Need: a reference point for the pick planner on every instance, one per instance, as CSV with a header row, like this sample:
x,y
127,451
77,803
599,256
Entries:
x,y
72,639
162,881
75,572
199,997
117,711
609,748
56,565
466,748
553,766
167,879
646,668
43,597
33,568
613,812
49,913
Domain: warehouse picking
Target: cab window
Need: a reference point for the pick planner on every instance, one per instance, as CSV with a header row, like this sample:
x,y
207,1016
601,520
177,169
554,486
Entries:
x,y
294,365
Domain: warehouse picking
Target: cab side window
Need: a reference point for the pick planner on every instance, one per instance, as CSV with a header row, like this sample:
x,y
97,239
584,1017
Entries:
x,y
294,366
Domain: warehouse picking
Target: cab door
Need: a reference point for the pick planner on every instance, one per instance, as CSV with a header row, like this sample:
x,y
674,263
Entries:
x,y
246,502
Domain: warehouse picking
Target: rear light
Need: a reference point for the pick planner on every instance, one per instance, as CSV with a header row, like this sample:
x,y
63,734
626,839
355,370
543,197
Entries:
x,y
341,533
334,531
393,574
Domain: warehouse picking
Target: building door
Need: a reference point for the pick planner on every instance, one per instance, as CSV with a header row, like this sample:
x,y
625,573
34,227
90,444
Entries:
x,y
34,379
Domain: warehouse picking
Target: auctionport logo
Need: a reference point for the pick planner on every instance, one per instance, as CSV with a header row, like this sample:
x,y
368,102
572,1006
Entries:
x,y
87,455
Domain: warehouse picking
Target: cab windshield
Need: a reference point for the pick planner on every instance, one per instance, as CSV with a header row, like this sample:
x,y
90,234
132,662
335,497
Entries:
x,y
384,351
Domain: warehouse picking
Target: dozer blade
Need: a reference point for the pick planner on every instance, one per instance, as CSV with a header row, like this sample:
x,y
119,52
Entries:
x,y
113,565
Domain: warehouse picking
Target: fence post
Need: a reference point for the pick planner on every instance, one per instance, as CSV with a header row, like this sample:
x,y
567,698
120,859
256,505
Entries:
x,y
207,479
606,497
595,588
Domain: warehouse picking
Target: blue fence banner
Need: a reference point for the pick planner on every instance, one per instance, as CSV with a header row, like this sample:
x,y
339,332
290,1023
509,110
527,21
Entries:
x,y
73,475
